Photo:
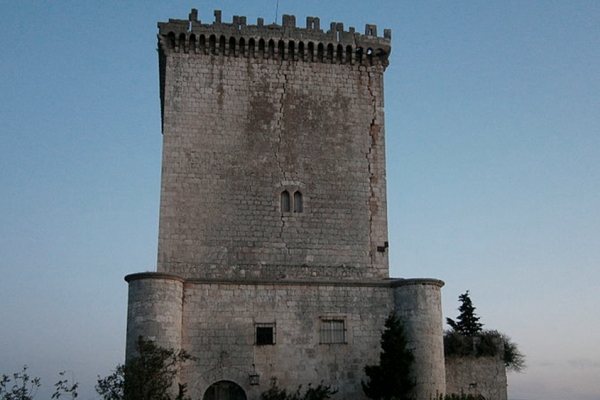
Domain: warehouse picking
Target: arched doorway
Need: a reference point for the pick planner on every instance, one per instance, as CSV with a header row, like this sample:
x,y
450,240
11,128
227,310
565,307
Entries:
x,y
224,390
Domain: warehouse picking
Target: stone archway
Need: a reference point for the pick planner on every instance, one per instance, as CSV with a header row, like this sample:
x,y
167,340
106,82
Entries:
x,y
224,390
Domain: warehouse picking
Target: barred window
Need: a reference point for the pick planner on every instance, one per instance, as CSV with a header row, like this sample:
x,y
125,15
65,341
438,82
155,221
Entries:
x,y
264,334
333,331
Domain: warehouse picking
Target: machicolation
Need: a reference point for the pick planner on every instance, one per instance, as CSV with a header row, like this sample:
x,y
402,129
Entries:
x,y
282,42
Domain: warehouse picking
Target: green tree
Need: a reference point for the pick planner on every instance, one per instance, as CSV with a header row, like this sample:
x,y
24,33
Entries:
x,y
64,387
391,379
467,338
461,396
148,376
21,386
514,359
467,323
320,392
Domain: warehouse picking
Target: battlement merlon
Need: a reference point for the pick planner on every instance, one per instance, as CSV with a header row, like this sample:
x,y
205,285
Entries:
x,y
185,35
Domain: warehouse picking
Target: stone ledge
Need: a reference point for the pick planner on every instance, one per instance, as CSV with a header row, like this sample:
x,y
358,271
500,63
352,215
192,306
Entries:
x,y
391,282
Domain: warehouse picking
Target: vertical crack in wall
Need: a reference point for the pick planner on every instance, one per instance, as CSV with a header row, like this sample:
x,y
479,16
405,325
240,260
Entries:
x,y
280,125
279,122
373,130
182,326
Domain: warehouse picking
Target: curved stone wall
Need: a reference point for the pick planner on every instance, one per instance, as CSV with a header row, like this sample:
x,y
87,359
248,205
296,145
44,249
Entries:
x,y
155,310
418,303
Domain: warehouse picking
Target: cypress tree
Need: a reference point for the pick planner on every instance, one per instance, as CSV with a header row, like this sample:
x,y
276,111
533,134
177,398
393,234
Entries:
x,y
467,323
391,379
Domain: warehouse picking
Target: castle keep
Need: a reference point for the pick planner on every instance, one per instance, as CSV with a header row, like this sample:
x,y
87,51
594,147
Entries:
x,y
273,248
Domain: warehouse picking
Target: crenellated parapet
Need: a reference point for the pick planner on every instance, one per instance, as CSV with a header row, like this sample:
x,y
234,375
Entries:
x,y
280,42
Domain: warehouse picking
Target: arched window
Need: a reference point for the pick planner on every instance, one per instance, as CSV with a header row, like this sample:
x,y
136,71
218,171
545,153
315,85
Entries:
x,y
370,56
192,43
298,202
292,50
330,57
251,48
285,201
271,49
281,49
232,49
359,55
182,44
242,47
171,40
349,59
222,41
212,44
202,44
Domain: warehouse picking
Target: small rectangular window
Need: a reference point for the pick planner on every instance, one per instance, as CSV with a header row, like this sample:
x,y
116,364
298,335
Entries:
x,y
333,331
264,334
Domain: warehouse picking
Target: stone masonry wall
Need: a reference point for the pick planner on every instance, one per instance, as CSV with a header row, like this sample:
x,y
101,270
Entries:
x,y
220,321
238,132
154,311
419,304
218,325
477,375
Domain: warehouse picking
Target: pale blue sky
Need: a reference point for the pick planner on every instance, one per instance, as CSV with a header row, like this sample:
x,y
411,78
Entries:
x,y
493,143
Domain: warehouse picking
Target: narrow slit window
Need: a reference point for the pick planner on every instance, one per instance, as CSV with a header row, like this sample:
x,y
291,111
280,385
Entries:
x,y
298,206
285,201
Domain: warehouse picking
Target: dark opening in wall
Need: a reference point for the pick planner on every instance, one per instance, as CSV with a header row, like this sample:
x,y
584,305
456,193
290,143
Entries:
x,y
285,201
193,43
242,47
232,49
265,334
281,49
212,44
298,206
271,50
222,45
202,44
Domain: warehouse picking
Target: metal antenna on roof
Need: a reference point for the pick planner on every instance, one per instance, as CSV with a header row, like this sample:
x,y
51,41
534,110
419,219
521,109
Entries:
x,y
276,11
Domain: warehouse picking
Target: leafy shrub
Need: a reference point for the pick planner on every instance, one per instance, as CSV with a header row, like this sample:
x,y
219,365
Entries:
x,y
489,343
23,387
461,396
467,338
320,392
148,376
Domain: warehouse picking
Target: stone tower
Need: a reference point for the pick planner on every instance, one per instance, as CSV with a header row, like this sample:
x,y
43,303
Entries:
x,y
273,157
273,249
